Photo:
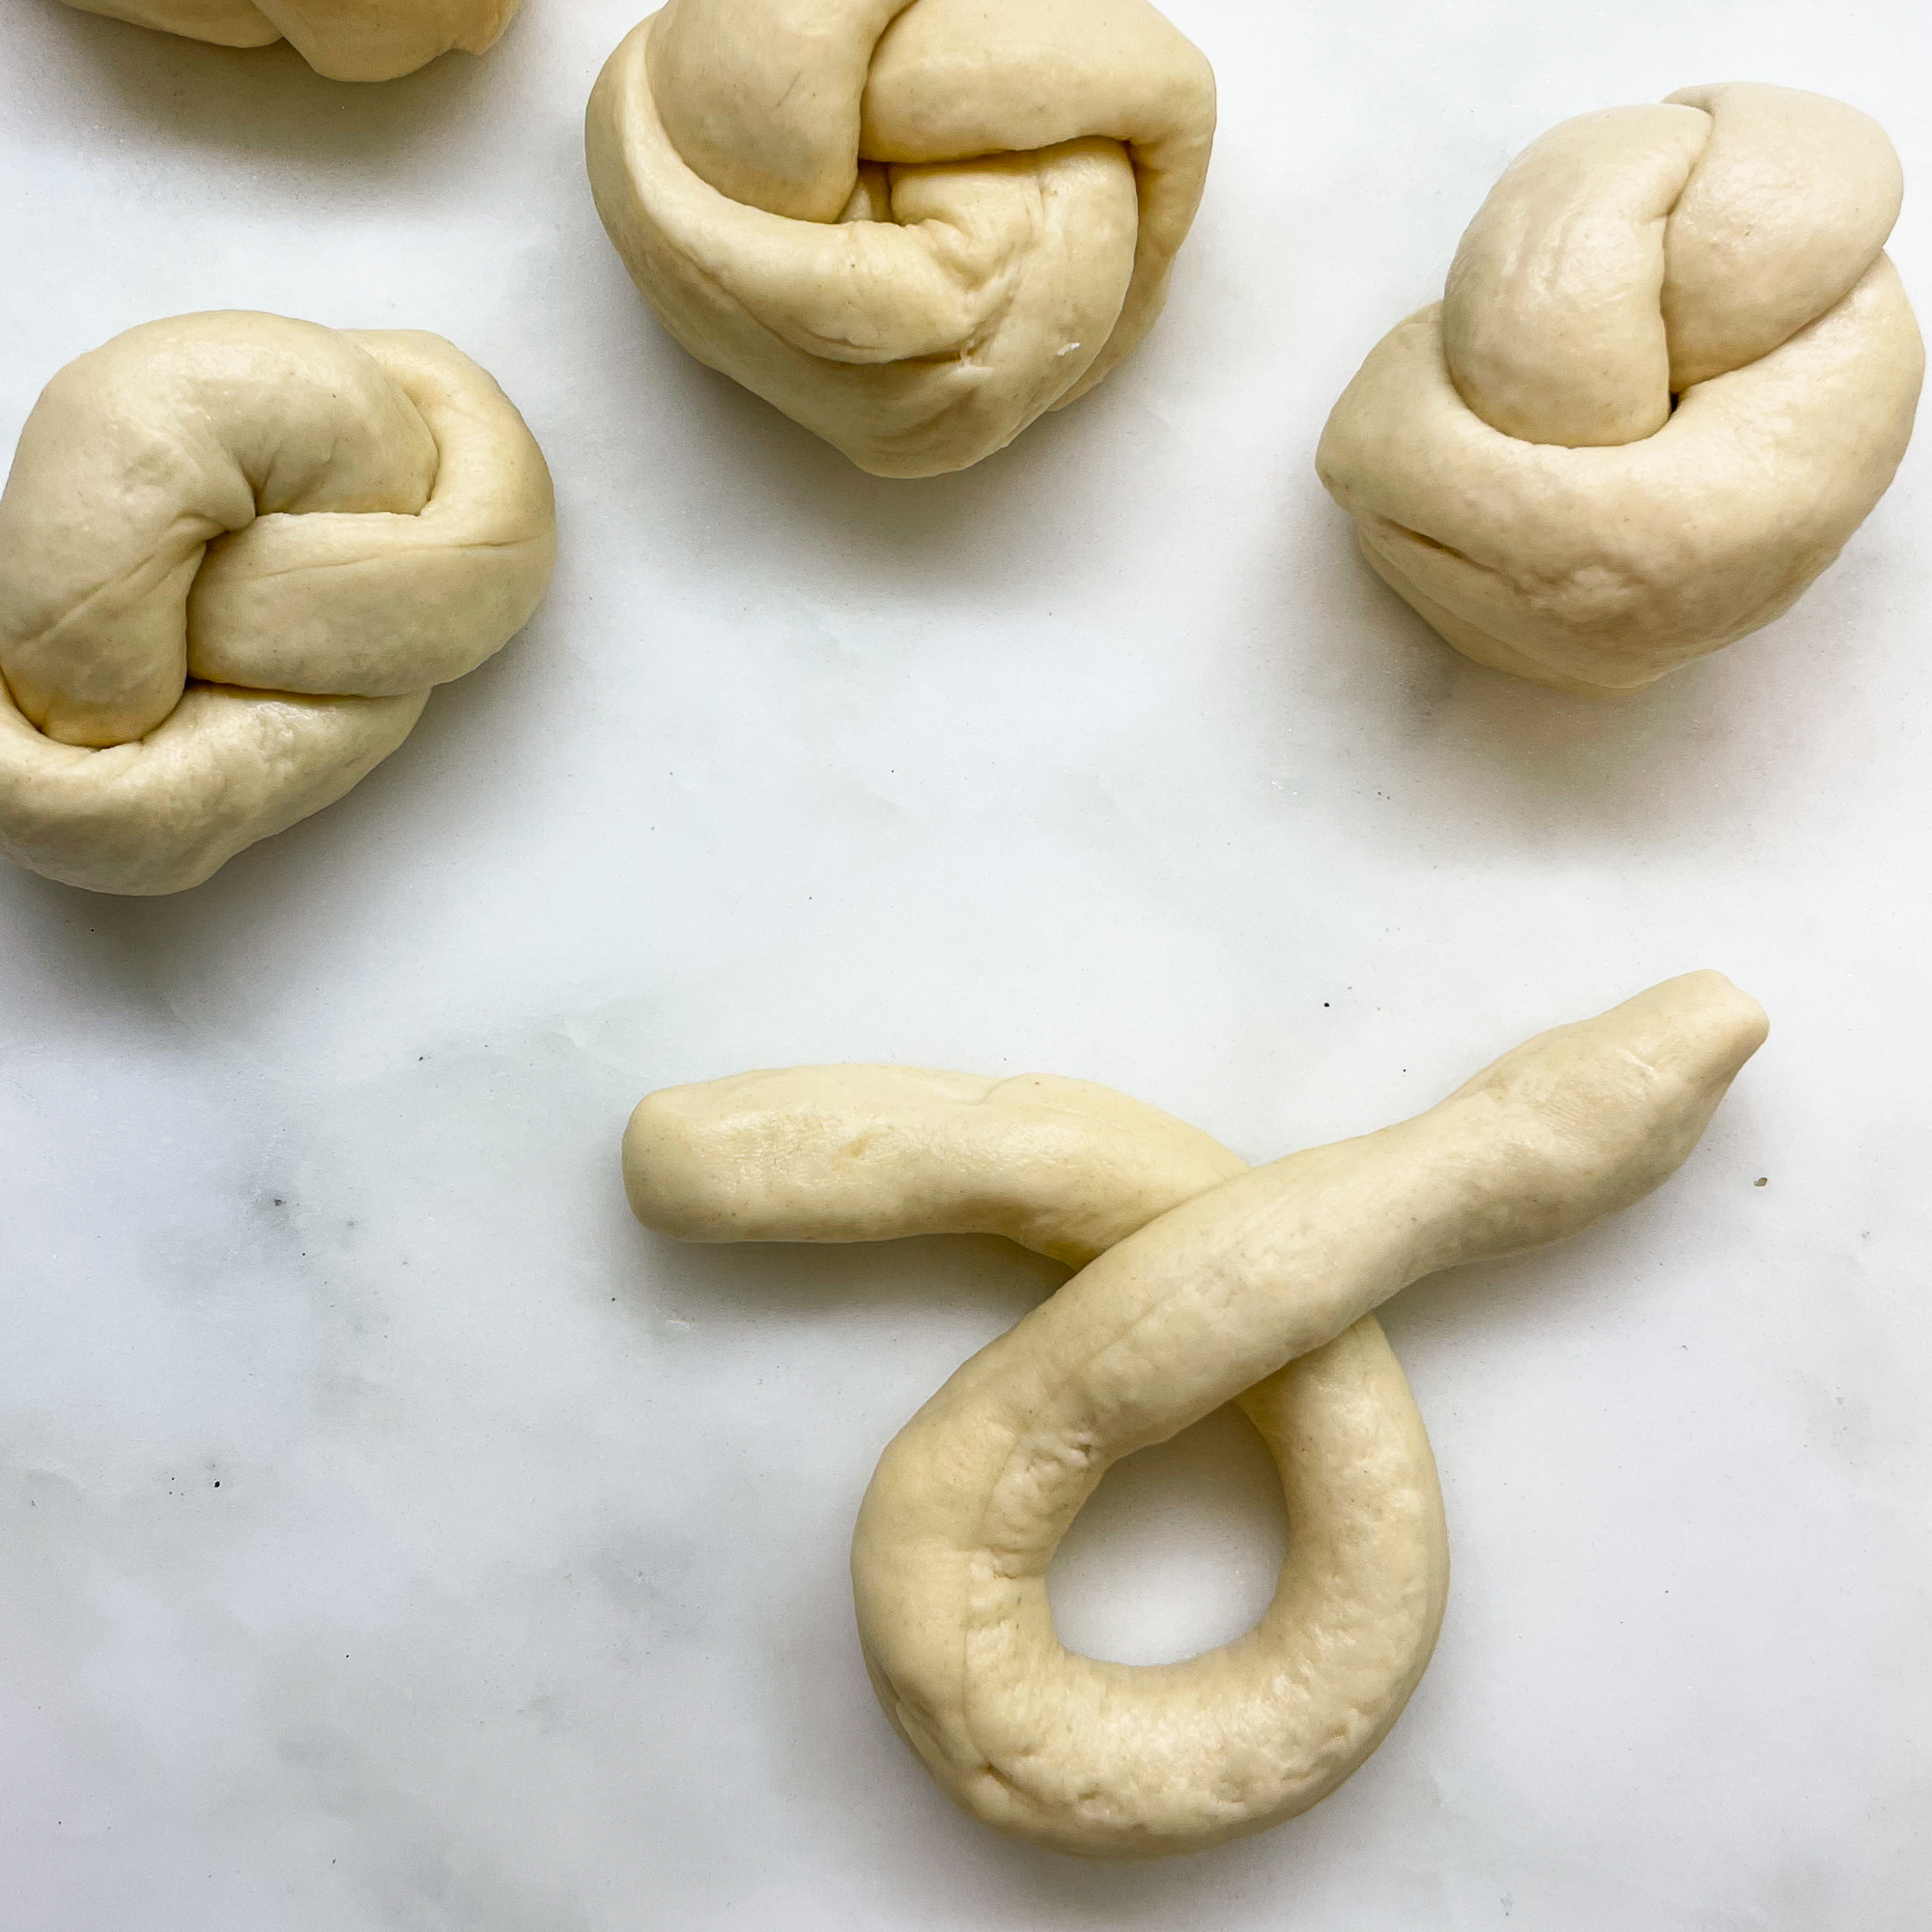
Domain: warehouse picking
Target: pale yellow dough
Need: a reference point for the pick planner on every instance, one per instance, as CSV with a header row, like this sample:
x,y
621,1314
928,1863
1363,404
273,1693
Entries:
x,y
343,40
1199,1283
1672,372
236,552
913,225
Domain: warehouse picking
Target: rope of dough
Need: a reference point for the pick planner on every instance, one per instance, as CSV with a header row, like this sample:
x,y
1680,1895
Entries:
x,y
236,552
1672,373
342,40
912,226
1200,1282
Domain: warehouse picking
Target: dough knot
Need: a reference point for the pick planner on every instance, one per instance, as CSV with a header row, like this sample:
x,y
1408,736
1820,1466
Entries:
x,y
342,40
236,552
1671,371
912,227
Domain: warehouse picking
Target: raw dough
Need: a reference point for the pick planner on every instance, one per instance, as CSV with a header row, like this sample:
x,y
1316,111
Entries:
x,y
236,554
1231,1275
344,39
911,226
1671,374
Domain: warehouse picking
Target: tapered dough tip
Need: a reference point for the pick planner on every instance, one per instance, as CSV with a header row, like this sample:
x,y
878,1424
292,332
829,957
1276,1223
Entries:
x,y
1629,1093
1708,1014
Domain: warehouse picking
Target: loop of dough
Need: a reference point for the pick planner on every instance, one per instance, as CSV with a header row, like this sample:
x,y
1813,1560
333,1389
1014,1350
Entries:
x,y
342,40
236,554
1202,1283
1672,372
911,227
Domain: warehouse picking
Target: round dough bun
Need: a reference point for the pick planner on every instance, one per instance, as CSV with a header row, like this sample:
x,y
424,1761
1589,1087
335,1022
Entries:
x,y
1201,1281
1672,373
912,226
236,554
342,40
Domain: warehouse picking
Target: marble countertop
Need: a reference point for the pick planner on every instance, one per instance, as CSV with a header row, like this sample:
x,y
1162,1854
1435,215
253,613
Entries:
x,y
401,1540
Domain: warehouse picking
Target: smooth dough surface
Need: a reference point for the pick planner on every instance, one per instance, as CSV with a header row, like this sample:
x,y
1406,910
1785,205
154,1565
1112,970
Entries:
x,y
1672,373
342,40
913,225
1201,1281
236,552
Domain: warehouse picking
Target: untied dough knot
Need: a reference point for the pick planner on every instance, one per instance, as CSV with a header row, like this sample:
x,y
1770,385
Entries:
x,y
1200,1282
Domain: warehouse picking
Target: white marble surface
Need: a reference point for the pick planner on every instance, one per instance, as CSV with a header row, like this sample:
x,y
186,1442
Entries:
x,y
400,1540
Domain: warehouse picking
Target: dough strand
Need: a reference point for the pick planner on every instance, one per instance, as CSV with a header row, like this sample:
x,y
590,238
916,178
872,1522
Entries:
x,y
1200,1282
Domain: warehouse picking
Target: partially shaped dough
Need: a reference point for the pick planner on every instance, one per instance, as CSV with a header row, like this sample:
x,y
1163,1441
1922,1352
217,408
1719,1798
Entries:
x,y
342,40
1201,1281
236,552
912,226
1672,373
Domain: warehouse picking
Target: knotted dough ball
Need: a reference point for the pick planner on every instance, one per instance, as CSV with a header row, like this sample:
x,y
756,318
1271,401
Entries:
x,y
343,40
913,225
1201,1281
236,554
1670,374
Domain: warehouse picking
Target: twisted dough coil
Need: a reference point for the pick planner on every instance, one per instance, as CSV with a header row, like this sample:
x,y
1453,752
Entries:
x,y
1199,1283
236,552
1672,373
912,226
342,40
